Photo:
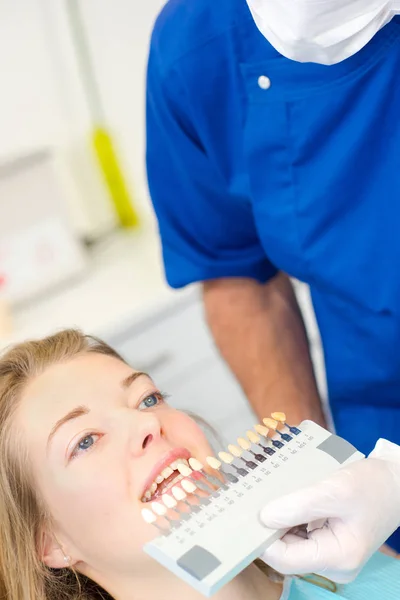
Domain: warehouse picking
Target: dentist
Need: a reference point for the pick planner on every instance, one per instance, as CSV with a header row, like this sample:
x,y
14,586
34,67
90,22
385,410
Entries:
x,y
360,504
263,163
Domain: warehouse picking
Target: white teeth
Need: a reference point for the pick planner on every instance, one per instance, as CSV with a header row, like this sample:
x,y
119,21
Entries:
x,y
180,461
167,472
172,483
176,465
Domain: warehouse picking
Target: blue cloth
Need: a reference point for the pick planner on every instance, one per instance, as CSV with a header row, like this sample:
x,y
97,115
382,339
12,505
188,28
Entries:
x,y
379,580
302,177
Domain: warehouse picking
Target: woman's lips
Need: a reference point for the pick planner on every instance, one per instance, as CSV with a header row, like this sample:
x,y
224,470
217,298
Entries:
x,y
163,463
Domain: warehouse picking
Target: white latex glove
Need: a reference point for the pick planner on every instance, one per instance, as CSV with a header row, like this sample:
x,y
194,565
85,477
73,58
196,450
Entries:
x,y
360,506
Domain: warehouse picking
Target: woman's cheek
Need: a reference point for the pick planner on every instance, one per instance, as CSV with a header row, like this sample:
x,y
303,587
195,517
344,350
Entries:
x,y
182,430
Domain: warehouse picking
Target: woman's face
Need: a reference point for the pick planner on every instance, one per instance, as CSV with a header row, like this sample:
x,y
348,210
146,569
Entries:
x,y
98,433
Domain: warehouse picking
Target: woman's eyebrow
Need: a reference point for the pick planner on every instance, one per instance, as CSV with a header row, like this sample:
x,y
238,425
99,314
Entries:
x,y
79,411
132,377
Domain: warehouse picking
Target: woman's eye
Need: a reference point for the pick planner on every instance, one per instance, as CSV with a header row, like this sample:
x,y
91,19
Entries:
x,y
85,444
152,400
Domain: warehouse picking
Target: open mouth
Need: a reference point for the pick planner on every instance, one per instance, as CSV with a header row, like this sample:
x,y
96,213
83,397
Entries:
x,y
164,481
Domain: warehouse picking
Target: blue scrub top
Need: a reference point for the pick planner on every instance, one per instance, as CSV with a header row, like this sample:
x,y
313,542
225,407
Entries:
x,y
302,176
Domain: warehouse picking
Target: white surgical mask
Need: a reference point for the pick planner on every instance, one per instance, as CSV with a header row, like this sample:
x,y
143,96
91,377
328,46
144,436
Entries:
x,y
321,31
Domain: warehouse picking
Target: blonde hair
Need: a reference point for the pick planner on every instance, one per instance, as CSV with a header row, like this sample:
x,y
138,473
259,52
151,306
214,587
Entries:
x,y
22,574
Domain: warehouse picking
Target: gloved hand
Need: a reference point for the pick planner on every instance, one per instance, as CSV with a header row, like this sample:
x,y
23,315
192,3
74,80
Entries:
x,y
360,508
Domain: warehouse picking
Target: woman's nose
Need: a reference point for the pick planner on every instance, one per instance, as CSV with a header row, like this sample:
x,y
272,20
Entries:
x,y
147,430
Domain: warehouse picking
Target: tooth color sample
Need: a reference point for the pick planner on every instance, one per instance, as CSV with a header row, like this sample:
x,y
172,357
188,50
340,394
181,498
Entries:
x,y
168,500
234,450
188,486
243,444
225,457
178,493
213,462
261,430
148,516
270,423
195,464
253,437
184,470
279,416
158,508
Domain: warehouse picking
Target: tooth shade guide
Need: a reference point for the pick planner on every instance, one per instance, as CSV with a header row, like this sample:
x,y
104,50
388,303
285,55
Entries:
x,y
271,423
253,437
213,462
226,457
279,416
159,509
178,493
168,500
235,451
184,470
244,444
151,519
239,454
211,533
195,464
284,436
188,486
148,516
261,430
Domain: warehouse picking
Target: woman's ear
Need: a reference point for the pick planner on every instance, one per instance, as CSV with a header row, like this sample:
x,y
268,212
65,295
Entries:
x,y
51,552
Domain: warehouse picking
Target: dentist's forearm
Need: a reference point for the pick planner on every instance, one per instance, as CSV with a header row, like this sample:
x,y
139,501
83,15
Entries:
x,y
260,333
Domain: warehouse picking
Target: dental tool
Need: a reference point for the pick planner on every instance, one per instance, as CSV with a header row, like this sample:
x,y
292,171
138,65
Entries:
x,y
273,424
214,463
198,467
250,464
229,460
264,431
181,496
255,439
191,488
210,545
186,471
246,445
161,511
151,519
281,418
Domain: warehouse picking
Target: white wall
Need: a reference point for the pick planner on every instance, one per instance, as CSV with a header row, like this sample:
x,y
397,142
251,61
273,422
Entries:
x,y
41,97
